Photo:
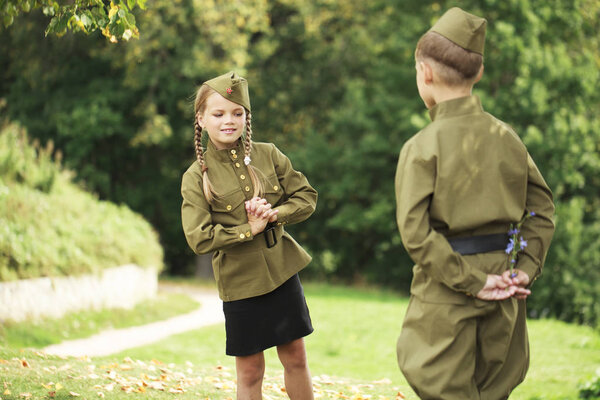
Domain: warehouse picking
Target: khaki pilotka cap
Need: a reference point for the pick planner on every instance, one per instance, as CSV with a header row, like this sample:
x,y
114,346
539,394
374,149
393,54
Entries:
x,y
464,29
233,87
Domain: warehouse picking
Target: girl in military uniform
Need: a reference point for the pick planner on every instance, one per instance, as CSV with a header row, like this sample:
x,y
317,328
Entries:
x,y
237,197
460,183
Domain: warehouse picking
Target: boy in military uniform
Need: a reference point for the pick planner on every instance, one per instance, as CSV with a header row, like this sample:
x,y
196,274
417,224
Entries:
x,y
460,183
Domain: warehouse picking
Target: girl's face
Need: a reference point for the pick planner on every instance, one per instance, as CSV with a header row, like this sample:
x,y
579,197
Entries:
x,y
224,120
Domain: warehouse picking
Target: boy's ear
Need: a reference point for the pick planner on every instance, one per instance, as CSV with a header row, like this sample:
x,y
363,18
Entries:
x,y
479,75
427,72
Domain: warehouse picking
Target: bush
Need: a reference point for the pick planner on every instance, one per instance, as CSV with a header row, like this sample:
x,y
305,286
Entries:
x,y
51,227
591,389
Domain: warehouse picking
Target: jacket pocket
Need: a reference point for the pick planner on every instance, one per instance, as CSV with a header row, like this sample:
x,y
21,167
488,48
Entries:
x,y
228,209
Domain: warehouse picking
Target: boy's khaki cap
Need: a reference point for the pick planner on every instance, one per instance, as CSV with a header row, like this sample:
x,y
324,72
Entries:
x,y
464,29
233,87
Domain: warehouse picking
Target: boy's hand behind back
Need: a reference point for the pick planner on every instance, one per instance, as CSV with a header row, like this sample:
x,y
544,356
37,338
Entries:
x,y
521,281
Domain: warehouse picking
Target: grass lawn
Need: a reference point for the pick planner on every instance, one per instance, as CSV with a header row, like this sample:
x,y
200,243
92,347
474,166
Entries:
x,y
351,355
82,324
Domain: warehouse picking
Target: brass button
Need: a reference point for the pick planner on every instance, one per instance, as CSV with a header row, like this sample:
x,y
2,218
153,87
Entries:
x,y
242,177
247,234
228,207
237,164
242,236
233,151
276,187
234,156
247,188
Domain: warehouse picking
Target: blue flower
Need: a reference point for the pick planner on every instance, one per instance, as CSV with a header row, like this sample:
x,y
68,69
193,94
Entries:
x,y
510,246
513,232
522,242
532,214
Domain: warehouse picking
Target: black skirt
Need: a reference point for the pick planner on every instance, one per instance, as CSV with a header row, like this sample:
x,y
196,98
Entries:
x,y
255,324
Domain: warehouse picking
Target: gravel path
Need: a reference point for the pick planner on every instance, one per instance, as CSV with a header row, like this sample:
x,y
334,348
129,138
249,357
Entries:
x,y
114,341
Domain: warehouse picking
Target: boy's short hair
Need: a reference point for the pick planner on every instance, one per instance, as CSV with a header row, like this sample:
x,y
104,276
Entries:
x,y
454,64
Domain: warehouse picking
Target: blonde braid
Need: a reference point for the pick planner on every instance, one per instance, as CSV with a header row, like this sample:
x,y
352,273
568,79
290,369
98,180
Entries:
x,y
207,187
252,171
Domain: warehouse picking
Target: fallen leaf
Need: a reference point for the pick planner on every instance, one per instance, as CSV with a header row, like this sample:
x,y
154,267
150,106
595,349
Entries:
x,y
25,395
52,393
400,395
176,390
25,363
128,360
6,392
101,395
58,386
74,394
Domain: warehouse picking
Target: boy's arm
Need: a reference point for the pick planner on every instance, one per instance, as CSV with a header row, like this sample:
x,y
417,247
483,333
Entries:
x,y
537,230
415,179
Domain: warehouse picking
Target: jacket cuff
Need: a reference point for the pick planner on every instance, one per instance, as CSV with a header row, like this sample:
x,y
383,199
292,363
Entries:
x,y
244,233
283,215
475,283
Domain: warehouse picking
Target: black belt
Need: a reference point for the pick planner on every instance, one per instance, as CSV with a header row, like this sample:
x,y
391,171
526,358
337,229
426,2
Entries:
x,y
479,244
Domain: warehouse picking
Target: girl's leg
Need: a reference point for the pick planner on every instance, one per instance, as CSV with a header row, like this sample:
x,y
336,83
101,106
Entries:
x,y
250,371
298,382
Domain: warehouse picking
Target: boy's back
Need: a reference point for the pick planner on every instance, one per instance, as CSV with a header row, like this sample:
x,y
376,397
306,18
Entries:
x,y
460,183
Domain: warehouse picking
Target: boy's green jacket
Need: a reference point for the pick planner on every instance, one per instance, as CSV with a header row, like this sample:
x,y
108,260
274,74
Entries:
x,y
467,173
243,266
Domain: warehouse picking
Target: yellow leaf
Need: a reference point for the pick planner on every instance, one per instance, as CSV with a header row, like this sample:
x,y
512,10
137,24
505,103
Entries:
x,y
48,386
58,386
6,392
113,10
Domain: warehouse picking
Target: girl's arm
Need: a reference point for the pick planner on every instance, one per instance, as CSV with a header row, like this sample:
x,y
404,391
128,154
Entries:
x,y
200,233
300,197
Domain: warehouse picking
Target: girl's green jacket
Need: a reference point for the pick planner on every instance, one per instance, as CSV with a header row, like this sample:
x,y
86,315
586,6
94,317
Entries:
x,y
243,265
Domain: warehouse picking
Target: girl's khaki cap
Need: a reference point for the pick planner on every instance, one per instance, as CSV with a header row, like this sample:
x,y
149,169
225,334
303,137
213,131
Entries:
x,y
464,29
233,87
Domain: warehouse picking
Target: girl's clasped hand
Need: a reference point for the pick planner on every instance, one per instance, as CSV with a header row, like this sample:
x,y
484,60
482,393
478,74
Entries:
x,y
260,213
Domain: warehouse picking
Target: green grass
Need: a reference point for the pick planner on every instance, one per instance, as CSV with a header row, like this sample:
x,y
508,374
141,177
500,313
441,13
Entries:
x,y
38,334
351,355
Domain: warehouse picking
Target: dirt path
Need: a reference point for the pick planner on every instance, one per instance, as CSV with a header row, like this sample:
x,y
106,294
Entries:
x,y
114,341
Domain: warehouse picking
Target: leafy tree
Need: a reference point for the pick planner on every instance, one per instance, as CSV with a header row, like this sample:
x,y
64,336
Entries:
x,y
114,19
332,84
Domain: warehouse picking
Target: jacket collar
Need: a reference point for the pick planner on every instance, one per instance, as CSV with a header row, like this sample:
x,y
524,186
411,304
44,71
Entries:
x,y
456,107
226,155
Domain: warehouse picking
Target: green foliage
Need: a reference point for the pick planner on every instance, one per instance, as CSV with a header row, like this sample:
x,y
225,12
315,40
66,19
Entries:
x,y
114,19
591,389
332,84
61,230
26,164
